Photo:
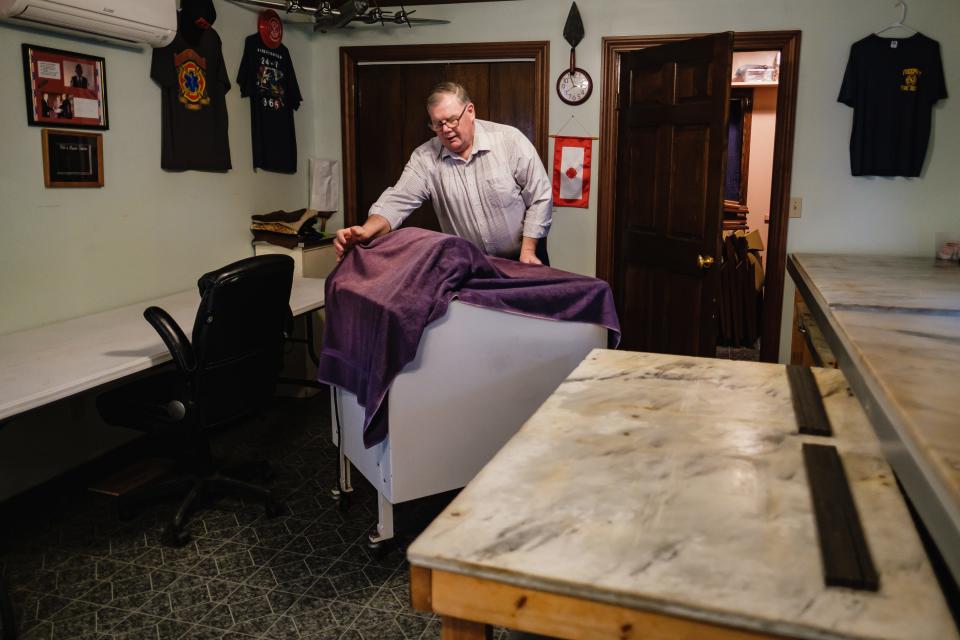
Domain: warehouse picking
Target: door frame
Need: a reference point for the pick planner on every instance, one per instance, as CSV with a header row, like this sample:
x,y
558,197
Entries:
x,y
352,57
788,43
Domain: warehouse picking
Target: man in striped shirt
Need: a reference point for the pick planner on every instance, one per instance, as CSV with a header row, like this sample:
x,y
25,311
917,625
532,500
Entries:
x,y
485,181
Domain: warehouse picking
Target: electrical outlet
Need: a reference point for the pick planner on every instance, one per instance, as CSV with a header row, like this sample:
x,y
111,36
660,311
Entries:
x,y
796,207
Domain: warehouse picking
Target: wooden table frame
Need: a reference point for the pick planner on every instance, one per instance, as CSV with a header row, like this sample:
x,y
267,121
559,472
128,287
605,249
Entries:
x,y
468,606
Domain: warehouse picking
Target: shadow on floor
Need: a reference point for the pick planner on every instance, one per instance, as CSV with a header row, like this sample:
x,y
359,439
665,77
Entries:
x,y
75,570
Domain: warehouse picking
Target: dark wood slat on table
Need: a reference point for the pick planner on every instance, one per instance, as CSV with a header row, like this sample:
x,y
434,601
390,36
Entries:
x,y
843,547
808,406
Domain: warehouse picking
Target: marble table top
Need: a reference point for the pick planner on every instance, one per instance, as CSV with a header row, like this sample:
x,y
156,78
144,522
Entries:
x,y
677,485
885,283
894,324
48,363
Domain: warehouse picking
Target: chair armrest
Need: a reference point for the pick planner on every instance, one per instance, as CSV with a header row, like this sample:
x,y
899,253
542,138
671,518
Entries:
x,y
174,337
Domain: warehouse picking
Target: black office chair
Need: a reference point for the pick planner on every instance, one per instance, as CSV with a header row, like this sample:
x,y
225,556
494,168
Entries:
x,y
228,371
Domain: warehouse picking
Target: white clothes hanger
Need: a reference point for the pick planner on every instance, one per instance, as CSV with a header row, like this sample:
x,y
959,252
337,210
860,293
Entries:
x,y
899,24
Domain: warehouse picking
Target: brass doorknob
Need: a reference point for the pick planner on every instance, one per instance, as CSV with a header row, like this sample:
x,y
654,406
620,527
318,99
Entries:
x,y
704,262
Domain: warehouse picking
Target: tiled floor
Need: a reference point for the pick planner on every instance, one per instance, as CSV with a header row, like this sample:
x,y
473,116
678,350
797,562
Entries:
x,y
80,572
738,353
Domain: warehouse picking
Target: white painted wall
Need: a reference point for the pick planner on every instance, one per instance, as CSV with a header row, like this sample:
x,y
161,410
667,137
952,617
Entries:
x,y
840,213
147,232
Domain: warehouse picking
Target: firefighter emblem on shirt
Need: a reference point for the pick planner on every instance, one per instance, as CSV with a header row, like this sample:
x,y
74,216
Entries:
x,y
270,80
271,89
910,77
192,78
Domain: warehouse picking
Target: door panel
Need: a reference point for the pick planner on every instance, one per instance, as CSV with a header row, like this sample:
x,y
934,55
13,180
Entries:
x,y
636,298
391,124
682,297
508,103
641,168
417,83
475,76
650,85
673,102
391,117
419,79
693,82
688,174
376,93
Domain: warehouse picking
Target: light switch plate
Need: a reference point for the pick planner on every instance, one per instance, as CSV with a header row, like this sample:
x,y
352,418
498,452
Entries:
x,y
796,207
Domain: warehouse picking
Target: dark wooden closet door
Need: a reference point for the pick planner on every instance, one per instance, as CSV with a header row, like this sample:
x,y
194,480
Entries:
x,y
391,116
513,95
391,123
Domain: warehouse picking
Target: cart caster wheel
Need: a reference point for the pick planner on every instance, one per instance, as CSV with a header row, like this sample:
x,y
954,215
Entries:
x,y
380,548
174,537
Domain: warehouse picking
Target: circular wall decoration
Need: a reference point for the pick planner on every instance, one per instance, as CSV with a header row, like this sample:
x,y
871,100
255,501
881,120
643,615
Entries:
x,y
270,27
574,86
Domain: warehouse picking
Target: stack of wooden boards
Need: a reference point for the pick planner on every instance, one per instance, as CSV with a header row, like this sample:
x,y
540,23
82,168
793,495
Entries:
x,y
741,290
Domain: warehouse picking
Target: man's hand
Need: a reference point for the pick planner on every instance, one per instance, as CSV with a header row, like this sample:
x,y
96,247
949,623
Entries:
x,y
528,251
529,257
348,237
374,227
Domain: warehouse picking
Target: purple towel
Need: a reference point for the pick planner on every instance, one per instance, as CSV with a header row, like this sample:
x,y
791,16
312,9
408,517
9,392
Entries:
x,y
382,296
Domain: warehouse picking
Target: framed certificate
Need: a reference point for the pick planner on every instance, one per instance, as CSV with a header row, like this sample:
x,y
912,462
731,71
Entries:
x,y
64,89
72,158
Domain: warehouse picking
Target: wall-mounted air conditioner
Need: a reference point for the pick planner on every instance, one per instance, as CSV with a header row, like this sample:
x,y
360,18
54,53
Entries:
x,y
152,22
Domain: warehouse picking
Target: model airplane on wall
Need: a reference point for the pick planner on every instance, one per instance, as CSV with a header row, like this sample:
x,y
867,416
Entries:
x,y
326,16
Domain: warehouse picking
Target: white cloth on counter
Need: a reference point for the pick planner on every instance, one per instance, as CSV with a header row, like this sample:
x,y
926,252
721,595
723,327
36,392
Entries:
x,y
324,184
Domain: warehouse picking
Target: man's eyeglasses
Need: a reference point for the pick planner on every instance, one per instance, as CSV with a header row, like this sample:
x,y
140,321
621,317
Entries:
x,y
437,127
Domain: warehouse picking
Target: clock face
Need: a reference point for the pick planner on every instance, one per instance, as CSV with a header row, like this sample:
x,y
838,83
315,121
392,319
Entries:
x,y
574,88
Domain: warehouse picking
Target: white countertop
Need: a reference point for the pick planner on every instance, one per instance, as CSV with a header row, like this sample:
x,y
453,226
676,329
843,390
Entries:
x,y
48,363
894,325
884,283
677,485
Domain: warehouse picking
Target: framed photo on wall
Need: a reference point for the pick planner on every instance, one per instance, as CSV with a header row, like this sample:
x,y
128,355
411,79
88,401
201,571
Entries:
x,y
72,158
65,89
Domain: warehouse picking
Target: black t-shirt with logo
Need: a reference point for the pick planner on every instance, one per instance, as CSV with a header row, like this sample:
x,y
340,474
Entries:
x,y
266,76
891,83
193,83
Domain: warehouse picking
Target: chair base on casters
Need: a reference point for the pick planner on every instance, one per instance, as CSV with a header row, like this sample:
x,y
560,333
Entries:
x,y
173,533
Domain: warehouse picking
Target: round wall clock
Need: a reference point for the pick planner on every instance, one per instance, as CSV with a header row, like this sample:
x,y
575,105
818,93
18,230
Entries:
x,y
574,86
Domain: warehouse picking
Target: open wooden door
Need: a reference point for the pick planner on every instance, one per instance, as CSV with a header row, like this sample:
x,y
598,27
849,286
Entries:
x,y
672,138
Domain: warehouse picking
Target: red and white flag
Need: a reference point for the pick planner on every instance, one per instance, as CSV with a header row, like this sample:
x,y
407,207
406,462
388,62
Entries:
x,y
571,171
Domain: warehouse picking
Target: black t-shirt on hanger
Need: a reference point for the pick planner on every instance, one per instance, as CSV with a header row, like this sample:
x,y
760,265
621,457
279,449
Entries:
x,y
266,76
193,83
892,84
